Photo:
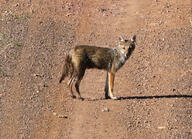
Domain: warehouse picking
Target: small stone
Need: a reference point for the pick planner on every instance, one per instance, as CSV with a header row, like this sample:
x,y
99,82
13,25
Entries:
x,y
62,116
68,14
174,89
161,127
45,85
145,121
191,21
55,114
36,75
59,115
1,95
105,110
17,5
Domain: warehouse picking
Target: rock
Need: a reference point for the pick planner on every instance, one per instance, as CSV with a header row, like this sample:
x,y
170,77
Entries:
x,y
59,115
45,85
174,90
105,110
161,127
62,116
54,113
191,22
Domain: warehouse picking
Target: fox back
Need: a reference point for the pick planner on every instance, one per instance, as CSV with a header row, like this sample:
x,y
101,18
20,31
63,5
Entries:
x,y
92,56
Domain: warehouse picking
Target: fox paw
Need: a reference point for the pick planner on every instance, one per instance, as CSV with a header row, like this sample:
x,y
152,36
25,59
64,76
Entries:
x,y
114,98
80,98
107,97
73,96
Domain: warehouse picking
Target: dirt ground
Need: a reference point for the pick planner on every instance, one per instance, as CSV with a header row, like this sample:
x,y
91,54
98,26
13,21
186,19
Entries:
x,y
154,86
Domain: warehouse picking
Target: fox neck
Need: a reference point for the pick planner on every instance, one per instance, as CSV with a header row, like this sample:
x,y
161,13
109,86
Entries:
x,y
121,56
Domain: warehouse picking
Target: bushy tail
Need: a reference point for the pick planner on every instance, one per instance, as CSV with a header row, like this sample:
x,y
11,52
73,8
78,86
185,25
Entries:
x,y
67,68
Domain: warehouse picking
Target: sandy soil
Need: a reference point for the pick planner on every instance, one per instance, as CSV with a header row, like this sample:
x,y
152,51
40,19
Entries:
x,y
154,86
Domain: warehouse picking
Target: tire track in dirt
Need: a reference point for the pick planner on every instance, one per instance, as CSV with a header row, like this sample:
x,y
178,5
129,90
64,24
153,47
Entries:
x,y
145,119
80,120
86,121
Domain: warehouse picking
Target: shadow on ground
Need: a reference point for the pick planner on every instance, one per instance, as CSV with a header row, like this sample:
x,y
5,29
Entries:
x,y
144,97
152,97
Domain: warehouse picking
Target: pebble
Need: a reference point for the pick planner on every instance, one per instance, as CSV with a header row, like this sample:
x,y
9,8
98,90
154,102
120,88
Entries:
x,y
59,115
55,114
161,127
105,110
174,90
191,22
62,116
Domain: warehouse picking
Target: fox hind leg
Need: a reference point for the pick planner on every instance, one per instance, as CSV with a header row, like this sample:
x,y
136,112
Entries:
x,y
77,84
70,85
79,66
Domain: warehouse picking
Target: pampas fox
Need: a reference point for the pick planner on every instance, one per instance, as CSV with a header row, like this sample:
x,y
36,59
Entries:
x,y
84,57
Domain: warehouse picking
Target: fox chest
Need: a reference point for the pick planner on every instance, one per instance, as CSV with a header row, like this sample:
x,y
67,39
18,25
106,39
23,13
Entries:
x,y
120,62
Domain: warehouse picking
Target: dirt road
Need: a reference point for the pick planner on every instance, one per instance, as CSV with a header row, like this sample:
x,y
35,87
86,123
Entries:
x,y
154,86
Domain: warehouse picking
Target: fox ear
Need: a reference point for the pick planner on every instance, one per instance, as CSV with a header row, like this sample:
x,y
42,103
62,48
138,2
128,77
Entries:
x,y
133,39
121,38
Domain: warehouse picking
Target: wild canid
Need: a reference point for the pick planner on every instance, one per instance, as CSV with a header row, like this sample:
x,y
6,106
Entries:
x,y
84,57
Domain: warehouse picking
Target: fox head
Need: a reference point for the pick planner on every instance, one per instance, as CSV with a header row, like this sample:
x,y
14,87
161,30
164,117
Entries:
x,y
127,46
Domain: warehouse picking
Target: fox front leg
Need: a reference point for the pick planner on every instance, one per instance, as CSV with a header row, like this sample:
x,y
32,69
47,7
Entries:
x,y
111,77
107,87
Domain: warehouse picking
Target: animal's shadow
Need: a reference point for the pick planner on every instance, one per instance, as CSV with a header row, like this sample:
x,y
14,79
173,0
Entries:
x,y
144,97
